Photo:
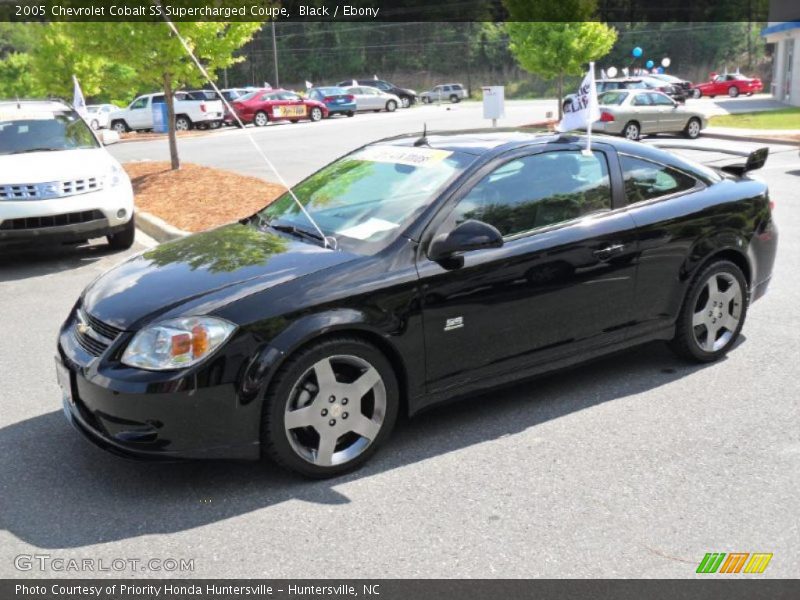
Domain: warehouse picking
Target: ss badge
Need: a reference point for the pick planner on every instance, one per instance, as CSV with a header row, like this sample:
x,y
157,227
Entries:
x,y
454,323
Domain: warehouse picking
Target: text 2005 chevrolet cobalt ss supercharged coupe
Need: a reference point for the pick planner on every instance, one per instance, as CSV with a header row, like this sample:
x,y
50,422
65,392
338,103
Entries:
x,y
451,263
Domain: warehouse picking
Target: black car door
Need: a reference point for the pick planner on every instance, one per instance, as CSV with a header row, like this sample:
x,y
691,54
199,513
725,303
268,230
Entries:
x,y
562,281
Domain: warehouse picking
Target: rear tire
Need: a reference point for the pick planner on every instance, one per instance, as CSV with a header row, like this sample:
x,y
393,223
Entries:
x,y
182,123
260,119
697,93
733,91
454,99
632,131
351,113
123,239
322,442
713,314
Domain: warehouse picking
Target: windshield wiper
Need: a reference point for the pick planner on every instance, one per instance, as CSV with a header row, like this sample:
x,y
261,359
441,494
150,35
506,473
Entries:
x,y
297,231
37,150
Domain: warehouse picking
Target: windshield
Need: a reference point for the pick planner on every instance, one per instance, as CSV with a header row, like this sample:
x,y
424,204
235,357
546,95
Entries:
x,y
367,198
43,131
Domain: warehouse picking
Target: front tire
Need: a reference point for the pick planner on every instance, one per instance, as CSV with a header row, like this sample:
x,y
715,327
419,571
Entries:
x,y
693,127
454,99
713,313
733,91
329,408
632,131
122,240
315,114
120,127
405,101
697,93
182,124
391,106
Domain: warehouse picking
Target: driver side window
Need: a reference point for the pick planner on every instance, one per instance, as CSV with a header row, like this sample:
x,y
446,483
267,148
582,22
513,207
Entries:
x,y
538,191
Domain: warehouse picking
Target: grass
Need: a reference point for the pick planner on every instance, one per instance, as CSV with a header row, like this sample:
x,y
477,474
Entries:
x,y
197,198
784,118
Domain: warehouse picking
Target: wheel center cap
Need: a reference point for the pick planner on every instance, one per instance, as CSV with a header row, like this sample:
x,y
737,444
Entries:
x,y
336,411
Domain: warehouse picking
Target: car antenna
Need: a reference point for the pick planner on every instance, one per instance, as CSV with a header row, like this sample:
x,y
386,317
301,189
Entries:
x,y
327,241
423,141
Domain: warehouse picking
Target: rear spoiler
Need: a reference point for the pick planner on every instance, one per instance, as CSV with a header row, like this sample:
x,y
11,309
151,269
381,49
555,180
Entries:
x,y
755,159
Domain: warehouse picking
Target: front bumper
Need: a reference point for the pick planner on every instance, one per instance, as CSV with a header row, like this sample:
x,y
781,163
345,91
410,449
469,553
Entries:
x,y
153,415
70,218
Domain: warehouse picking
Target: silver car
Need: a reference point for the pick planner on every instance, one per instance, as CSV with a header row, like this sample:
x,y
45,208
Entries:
x,y
370,98
451,92
633,113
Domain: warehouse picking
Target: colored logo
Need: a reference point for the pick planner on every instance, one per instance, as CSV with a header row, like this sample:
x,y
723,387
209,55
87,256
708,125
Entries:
x,y
734,562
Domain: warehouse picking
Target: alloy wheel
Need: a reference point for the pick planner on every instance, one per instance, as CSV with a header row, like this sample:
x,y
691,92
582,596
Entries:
x,y
405,101
335,410
120,127
260,119
693,129
717,312
632,131
181,124
316,114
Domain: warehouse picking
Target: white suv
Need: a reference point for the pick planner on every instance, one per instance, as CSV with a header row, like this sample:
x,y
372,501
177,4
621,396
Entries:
x,y
57,182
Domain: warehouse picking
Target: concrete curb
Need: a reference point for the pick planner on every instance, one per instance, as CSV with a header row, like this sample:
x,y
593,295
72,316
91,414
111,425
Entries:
x,y
748,138
158,229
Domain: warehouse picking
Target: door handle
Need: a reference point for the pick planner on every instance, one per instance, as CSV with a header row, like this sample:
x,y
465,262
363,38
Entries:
x,y
608,251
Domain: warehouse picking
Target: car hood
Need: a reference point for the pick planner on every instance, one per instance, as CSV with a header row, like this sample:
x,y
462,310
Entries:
x,y
202,272
62,165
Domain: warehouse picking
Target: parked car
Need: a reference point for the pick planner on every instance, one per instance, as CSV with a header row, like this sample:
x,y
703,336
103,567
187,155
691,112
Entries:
x,y
188,113
98,115
337,100
730,84
370,98
633,113
452,92
447,264
685,86
633,83
407,97
262,106
57,182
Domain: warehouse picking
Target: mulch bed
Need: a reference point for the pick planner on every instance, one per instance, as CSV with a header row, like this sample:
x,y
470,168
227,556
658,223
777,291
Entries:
x,y
195,198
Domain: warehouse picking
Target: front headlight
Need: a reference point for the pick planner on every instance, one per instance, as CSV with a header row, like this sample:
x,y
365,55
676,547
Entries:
x,y
176,343
114,176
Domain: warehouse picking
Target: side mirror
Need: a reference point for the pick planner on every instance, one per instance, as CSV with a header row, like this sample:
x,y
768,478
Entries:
x,y
470,235
109,136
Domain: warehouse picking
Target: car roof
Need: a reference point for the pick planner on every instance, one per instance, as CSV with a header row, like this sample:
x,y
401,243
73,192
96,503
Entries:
x,y
34,105
490,142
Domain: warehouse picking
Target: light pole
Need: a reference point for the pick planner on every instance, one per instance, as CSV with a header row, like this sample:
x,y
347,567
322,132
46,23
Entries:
x,y
275,55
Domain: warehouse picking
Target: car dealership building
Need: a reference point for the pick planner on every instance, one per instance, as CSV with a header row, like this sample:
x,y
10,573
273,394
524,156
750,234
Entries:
x,y
785,35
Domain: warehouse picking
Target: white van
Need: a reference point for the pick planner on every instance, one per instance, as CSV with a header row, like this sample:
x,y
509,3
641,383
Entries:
x,y
57,182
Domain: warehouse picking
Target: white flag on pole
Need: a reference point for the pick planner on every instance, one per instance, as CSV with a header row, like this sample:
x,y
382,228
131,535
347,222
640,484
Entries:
x,y
78,102
309,85
603,74
355,83
583,109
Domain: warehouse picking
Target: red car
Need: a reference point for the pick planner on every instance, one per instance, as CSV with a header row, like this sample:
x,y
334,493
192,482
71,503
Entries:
x,y
728,85
262,106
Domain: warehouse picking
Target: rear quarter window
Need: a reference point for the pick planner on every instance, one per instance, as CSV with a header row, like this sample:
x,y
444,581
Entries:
x,y
646,180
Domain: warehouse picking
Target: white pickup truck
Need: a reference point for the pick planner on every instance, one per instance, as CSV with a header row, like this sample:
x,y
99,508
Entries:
x,y
188,113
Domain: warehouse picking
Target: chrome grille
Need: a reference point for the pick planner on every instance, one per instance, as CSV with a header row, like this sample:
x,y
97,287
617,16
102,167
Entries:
x,y
51,189
93,335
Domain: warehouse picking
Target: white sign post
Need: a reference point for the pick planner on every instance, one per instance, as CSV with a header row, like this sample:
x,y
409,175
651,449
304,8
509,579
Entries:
x,y
494,98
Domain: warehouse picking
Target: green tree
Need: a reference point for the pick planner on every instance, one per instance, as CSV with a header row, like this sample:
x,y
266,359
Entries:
x,y
157,56
563,47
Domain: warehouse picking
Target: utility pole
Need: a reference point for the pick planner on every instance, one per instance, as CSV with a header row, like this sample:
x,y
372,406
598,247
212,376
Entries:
x,y
275,55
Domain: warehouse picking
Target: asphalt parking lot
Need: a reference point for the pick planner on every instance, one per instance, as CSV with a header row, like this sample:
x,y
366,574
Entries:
x,y
633,466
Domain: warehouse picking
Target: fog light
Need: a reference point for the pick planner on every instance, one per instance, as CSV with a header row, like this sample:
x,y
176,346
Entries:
x,y
121,213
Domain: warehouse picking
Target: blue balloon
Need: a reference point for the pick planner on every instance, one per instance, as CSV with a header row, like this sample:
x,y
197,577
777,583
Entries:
x,y
660,69
637,52
649,64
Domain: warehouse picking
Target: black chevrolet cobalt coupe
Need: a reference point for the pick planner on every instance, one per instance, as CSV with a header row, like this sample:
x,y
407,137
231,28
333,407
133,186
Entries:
x,y
449,263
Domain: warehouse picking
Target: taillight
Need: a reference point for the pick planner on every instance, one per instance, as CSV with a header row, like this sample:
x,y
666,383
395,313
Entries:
x,y
349,98
202,107
606,117
328,99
